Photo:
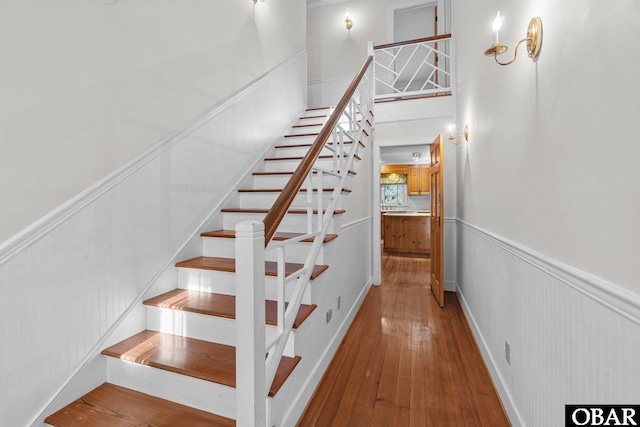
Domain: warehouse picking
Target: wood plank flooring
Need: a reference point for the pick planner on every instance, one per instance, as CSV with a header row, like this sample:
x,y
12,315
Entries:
x,y
406,362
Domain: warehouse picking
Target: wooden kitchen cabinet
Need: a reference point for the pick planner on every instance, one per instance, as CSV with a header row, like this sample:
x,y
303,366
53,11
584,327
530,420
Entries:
x,y
416,234
418,180
406,233
392,233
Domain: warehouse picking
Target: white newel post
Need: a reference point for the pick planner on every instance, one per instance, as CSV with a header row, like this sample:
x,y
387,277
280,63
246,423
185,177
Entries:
x,y
250,314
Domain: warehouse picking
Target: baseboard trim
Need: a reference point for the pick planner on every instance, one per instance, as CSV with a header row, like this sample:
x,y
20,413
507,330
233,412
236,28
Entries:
x,y
498,380
299,404
615,298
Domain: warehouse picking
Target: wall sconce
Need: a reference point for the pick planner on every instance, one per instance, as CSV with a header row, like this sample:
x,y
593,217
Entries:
x,y
533,39
256,1
347,22
464,134
415,156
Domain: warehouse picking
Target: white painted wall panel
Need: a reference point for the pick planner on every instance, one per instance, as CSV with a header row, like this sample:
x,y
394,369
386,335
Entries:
x,y
349,280
66,285
574,338
86,88
552,159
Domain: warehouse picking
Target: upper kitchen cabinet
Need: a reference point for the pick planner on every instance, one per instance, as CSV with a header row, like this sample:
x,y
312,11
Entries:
x,y
418,180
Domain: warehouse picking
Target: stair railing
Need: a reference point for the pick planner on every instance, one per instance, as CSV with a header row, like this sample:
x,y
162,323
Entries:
x,y
413,67
347,130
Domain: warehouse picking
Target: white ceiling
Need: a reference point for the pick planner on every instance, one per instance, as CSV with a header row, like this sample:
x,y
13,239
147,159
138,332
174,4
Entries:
x,y
401,154
318,3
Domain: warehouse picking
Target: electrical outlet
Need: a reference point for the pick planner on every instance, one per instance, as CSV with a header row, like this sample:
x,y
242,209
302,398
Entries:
x,y
338,303
329,314
507,352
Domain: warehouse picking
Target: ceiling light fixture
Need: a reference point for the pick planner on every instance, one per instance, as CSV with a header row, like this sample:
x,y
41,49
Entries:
x,y
533,39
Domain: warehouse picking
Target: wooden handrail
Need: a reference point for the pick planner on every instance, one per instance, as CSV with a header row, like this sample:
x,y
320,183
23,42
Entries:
x,y
425,40
281,206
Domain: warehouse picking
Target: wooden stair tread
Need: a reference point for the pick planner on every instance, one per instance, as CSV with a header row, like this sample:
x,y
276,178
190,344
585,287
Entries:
x,y
271,159
309,145
295,135
314,117
219,305
308,125
229,265
351,172
290,211
201,359
279,236
112,406
279,190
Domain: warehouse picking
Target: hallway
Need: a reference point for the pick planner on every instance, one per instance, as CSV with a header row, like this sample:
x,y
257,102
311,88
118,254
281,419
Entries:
x,y
406,362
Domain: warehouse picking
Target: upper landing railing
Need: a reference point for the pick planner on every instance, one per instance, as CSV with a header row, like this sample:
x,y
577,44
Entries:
x,y
412,68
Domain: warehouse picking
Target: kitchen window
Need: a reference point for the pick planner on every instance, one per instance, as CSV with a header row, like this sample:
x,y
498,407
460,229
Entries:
x,y
393,189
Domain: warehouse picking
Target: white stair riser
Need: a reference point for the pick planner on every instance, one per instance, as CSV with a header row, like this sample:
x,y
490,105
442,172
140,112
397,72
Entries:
x,y
204,395
304,139
291,165
321,111
295,223
307,128
222,282
296,140
280,181
293,151
203,327
266,200
225,247
318,112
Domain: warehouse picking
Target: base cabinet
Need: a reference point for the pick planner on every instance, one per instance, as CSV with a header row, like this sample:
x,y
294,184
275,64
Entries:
x,y
407,234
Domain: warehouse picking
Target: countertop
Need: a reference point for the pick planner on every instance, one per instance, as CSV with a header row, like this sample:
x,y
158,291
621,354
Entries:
x,y
406,213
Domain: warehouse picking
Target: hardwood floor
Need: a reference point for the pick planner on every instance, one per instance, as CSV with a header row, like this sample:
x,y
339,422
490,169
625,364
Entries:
x,y
406,362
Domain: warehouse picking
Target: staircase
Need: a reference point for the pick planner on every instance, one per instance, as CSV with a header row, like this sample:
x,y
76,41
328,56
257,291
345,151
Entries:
x,y
181,370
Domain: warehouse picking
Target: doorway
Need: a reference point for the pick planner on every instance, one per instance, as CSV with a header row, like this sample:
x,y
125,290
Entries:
x,y
393,139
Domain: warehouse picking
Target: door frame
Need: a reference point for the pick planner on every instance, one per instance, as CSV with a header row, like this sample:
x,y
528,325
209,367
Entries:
x,y
376,262
391,10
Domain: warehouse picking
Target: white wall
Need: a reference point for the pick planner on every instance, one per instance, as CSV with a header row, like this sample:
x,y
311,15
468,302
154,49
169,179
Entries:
x,y
552,161
548,202
335,52
66,290
86,88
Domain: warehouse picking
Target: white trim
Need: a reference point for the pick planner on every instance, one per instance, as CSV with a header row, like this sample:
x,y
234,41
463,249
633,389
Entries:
x,y
391,10
503,391
36,231
334,79
615,298
354,224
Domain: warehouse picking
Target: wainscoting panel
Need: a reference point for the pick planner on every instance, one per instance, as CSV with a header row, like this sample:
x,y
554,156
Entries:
x,y
573,338
67,282
327,93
